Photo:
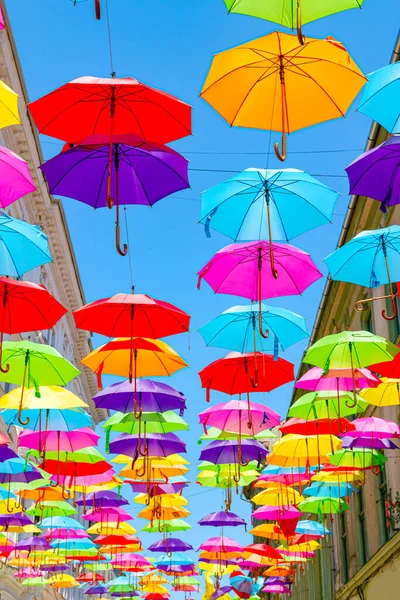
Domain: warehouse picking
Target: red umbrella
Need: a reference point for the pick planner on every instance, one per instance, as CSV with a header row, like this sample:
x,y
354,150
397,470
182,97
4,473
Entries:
x,y
90,577
243,373
317,427
390,368
263,550
25,307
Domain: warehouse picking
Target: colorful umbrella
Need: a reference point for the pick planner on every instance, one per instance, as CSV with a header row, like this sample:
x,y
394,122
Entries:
x,y
260,204
323,505
49,441
237,416
154,396
49,397
15,178
326,405
343,380
386,394
155,444
378,100
278,84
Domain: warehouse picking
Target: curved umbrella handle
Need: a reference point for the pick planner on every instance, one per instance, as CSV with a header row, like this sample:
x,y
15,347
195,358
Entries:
x,y
300,36
97,9
254,380
281,155
394,310
121,251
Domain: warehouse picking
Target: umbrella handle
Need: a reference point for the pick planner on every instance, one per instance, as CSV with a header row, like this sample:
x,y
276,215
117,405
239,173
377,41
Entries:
x,y
394,309
20,420
260,321
300,36
97,9
254,380
281,155
376,470
121,251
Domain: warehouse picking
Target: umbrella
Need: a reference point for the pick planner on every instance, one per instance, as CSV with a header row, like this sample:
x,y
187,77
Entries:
x,y
331,490
238,269
386,394
374,427
154,396
155,422
358,459
317,427
260,204
26,307
326,405
49,509
378,100
104,499
370,259
169,545
317,380
146,356
22,246
155,444
15,178
63,581
47,419
300,450
376,173
239,373
262,83
312,528
323,505
9,114
166,526
94,589
361,441
237,453
34,364
142,172
236,329
49,397
236,415
49,441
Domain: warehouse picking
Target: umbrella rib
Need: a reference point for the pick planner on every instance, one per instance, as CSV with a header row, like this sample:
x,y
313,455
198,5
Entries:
x,y
203,91
246,96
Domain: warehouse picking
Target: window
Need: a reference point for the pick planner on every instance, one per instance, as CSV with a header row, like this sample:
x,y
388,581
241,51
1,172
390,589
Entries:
x,y
344,555
381,492
362,541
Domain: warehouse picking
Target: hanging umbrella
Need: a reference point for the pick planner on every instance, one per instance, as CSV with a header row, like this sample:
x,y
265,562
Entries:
x,y
9,114
300,450
15,178
374,427
256,271
22,246
134,357
63,581
330,490
102,499
260,204
237,416
49,397
49,440
358,459
386,394
243,373
166,422
26,307
361,441
142,172
154,396
155,444
169,545
370,259
378,100
323,505
48,509
326,405
312,528
262,83
237,453
94,589
236,329
34,364
47,419
343,380
390,368
317,427
166,526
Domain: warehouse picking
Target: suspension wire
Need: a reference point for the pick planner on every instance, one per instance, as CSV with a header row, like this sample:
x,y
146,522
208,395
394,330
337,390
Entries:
x,y
109,39
128,244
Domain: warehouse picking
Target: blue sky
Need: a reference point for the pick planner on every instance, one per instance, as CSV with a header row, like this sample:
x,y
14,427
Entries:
x,y
169,44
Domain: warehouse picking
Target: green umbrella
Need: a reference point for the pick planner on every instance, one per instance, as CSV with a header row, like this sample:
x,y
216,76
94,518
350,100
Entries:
x,y
49,509
151,422
85,455
205,465
35,582
217,434
100,566
28,364
322,505
291,13
358,459
326,405
168,526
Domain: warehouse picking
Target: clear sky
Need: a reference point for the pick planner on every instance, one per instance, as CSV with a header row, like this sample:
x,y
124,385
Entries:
x,y
169,44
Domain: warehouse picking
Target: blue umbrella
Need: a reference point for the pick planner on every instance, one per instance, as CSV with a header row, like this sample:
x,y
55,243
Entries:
x,y
49,419
237,329
260,204
307,527
370,259
22,246
333,490
380,99
61,523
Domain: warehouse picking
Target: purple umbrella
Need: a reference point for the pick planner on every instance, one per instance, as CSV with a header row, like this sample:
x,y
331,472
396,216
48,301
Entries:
x,y
222,519
234,452
142,172
124,594
157,444
54,568
170,545
6,453
157,489
376,173
15,520
225,589
96,589
103,499
33,543
24,477
154,396
368,442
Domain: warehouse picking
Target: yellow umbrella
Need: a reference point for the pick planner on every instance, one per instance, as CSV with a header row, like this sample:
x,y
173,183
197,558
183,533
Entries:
x,y
277,84
152,578
9,114
9,506
151,357
217,569
100,487
306,547
165,514
278,496
386,394
154,589
63,580
338,476
301,450
51,396
165,500
20,529
111,529
152,472
157,461
219,555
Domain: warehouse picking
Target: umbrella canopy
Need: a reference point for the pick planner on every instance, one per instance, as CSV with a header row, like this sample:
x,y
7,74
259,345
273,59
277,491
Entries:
x,y
264,82
143,172
235,416
166,526
323,505
22,246
9,114
154,396
390,368
170,545
235,329
342,380
326,405
260,204
233,452
46,397
101,499
386,394
155,422
374,427
157,445
330,490
378,98
317,427
239,373
15,178
69,441
52,419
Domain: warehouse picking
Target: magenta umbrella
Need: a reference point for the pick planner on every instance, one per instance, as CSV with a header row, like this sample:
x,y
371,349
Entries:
x,y
221,544
255,271
236,415
15,178
316,380
373,427
64,533
86,480
66,441
273,513
112,514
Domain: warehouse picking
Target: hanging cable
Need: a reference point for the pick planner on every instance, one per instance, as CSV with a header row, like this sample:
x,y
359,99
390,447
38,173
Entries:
x,y
129,246
109,40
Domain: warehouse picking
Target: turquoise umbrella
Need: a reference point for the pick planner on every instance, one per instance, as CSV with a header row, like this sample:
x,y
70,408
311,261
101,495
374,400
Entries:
x,y
380,98
49,419
260,204
331,490
370,259
61,523
238,329
22,246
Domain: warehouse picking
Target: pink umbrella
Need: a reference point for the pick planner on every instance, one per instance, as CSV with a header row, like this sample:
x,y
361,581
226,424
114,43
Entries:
x,y
15,178
276,588
285,478
66,441
373,427
315,380
273,513
63,533
28,572
107,514
130,560
2,21
221,544
87,481
234,416
254,270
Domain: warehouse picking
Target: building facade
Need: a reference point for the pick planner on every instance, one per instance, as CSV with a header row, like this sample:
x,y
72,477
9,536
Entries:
x,y
61,277
361,559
